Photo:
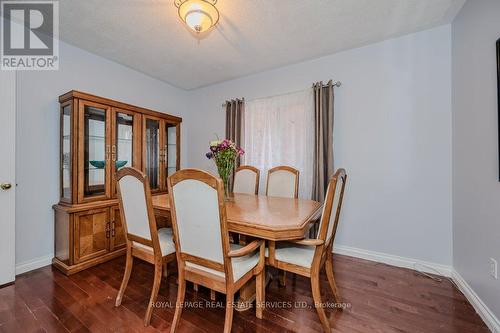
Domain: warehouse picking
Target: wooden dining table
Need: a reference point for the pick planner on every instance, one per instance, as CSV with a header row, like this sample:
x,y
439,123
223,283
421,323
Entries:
x,y
260,216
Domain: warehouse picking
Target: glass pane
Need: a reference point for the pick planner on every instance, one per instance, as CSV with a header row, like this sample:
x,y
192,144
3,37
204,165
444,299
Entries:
x,y
66,152
124,136
153,152
94,153
171,149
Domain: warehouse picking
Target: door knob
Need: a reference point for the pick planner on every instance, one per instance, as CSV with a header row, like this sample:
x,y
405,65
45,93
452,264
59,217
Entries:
x,y
5,186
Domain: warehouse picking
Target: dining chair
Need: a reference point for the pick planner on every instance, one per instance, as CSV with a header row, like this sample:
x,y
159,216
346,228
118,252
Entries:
x,y
144,240
283,181
307,257
246,180
204,254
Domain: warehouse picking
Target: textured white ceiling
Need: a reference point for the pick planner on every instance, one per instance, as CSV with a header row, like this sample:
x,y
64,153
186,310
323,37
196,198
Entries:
x,y
252,35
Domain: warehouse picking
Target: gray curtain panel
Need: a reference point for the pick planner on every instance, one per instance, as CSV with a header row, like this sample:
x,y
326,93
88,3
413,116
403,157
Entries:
x,y
323,143
235,119
235,109
323,138
235,122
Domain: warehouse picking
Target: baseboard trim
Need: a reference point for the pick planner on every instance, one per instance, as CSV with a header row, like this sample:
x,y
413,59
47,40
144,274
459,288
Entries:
x,y
30,265
393,260
484,312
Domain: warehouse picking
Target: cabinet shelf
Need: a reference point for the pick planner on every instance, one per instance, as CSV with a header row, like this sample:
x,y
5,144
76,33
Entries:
x,y
96,137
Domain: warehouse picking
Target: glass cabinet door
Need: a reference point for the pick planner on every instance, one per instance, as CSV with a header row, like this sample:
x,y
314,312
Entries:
x,y
171,163
95,148
152,151
122,150
124,153
66,141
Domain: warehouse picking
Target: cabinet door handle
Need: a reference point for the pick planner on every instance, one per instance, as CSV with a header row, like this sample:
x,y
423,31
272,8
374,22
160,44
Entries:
x,y
113,153
107,152
107,229
113,232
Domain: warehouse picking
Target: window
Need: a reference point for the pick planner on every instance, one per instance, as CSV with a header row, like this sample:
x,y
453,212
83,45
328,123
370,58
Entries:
x,y
279,130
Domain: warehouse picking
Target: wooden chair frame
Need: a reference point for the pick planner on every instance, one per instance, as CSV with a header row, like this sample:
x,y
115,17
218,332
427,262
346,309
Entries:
x,y
323,255
186,273
282,273
238,238
286,168
156,258
253,169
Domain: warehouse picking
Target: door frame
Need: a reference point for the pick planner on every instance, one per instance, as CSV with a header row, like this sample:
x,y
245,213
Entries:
x,y
8,197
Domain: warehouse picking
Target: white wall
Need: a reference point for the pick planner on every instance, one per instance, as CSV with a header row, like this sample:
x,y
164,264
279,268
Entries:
x,y
476,189
392,134
37,134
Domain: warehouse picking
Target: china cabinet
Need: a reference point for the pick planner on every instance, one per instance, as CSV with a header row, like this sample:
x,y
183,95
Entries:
x,y
98,136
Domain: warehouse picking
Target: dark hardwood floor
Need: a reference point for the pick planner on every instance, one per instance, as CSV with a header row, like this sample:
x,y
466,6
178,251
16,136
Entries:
x,y
381,298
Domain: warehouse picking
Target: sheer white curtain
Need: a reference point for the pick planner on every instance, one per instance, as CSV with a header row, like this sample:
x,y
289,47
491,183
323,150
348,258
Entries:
x,y
279,130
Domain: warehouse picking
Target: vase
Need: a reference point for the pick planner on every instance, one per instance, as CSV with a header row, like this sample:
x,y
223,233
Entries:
x,y
225,171
226,189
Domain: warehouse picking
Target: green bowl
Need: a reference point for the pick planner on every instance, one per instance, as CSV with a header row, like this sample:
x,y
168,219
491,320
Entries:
x,y
98,164
102,164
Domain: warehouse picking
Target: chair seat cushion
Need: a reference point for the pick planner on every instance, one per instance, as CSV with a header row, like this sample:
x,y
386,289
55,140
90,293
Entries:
x,y
167,245
300,255
241,265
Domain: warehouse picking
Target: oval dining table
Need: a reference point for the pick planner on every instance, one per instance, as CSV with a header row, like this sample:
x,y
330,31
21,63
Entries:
x,y
259,216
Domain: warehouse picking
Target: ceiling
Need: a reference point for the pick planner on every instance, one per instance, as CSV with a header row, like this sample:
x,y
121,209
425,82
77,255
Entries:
x,y
252,35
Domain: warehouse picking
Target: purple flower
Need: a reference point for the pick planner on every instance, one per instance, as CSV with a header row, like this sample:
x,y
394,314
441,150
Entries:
x,y
226,147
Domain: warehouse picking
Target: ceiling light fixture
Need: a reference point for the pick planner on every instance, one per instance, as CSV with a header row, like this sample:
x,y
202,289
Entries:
x,y
199,15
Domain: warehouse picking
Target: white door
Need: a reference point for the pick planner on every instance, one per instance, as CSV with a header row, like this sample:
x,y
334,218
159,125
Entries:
x,y
7,175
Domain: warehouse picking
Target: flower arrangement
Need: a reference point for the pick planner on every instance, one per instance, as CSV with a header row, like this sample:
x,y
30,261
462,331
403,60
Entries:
x,y
224,153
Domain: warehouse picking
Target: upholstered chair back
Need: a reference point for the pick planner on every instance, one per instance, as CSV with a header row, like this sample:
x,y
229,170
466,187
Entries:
x,y
283,181
332,207
198,215
135,200
246,180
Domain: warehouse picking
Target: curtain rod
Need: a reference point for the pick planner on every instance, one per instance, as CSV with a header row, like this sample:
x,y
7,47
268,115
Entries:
x,y
334,84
